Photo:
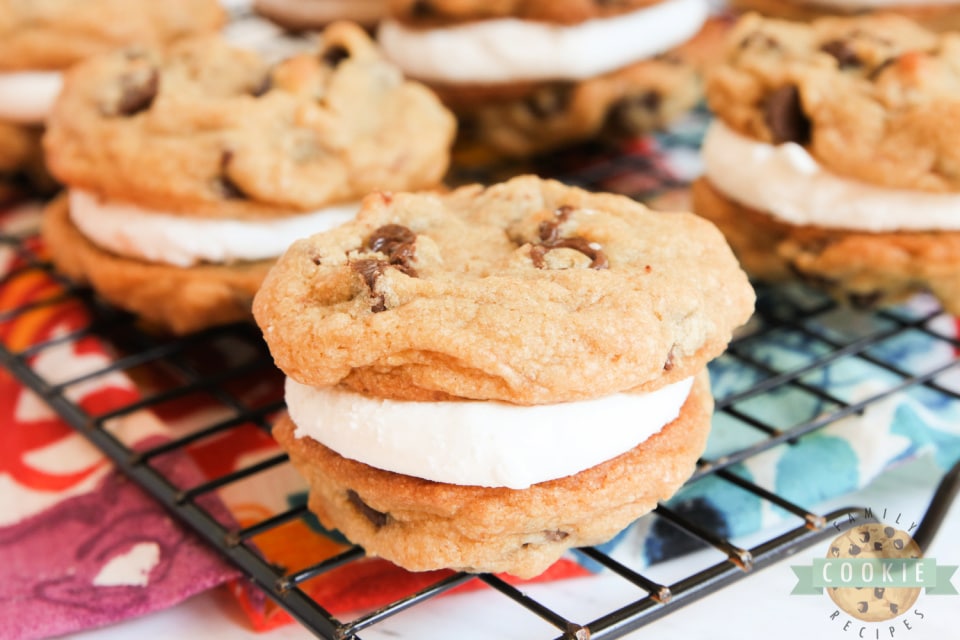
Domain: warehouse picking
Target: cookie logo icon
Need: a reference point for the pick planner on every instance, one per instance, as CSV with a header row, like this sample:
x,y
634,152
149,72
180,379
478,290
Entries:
x,y
879,542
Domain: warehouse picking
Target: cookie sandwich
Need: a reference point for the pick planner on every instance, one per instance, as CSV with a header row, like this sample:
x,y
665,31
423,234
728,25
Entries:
x,y
936,15
525,77
483,379
190,169
833,157
40,40
301,15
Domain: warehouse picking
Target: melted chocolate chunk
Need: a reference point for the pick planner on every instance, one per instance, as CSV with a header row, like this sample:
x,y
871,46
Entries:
x,y
137,92
785,118
376,518
227,188
880,68
634,114
263,86
334,55
668,363
370,271
398,244
844,54
757,39
422,9
550,239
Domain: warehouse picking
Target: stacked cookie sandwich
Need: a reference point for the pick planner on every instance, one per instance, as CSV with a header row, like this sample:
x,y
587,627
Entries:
x,y
834,156
191,168
937,15
484,379
526,76
40,40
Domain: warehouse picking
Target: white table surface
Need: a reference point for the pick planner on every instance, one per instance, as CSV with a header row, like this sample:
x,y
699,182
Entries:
x,y
758,606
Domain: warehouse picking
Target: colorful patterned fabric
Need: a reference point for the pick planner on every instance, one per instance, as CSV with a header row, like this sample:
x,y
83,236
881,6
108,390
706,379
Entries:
x,y
82,547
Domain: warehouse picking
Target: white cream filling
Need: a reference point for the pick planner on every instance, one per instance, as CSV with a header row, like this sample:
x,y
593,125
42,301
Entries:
x,y
183,241
788,183
488,444
26,97
511,50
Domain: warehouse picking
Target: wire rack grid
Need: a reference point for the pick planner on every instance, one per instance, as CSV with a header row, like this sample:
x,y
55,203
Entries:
x,y
821,336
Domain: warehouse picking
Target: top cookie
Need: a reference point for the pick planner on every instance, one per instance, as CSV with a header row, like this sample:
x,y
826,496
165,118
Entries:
x,y
527,292
208,129
875,98
436,12
54,34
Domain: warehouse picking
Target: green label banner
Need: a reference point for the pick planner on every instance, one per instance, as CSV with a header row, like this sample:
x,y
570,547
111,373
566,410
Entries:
x,y
874,572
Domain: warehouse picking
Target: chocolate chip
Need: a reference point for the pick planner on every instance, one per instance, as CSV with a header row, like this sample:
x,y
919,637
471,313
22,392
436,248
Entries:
x,y
137,92
377,519
370,271
878,592
761,40
854,550
880,68
862,606
878,546
668,364
549,232
398,243
422,9
844,54
635,113
894,608
263,86
555,536
889,531
226,187
864,536
785,118
334,55
550,100
898,544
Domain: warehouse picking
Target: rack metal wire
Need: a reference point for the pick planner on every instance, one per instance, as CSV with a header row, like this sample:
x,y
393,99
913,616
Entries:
x,y
779,314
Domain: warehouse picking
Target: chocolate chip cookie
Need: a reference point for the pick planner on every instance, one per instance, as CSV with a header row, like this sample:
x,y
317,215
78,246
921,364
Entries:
x,y
302,15
936,16
204,154
831,157
528,77
38,40
526,296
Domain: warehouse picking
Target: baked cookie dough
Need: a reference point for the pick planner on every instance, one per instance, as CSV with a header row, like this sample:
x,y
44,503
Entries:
x,y
939,15
203,157
444,354
528,77
831,159
302,15
40,39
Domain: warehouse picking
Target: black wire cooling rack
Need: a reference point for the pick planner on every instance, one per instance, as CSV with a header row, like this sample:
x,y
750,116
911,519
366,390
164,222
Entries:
x,y
785,316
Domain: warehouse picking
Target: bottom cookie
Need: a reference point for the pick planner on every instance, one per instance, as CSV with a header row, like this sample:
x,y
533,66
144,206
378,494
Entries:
x,y
859,268
935,16
171,298
21,161
423,525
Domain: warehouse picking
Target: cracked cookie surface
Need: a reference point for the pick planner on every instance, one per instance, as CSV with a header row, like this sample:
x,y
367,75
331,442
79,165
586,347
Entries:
x,y
206,129
528,292
874,98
